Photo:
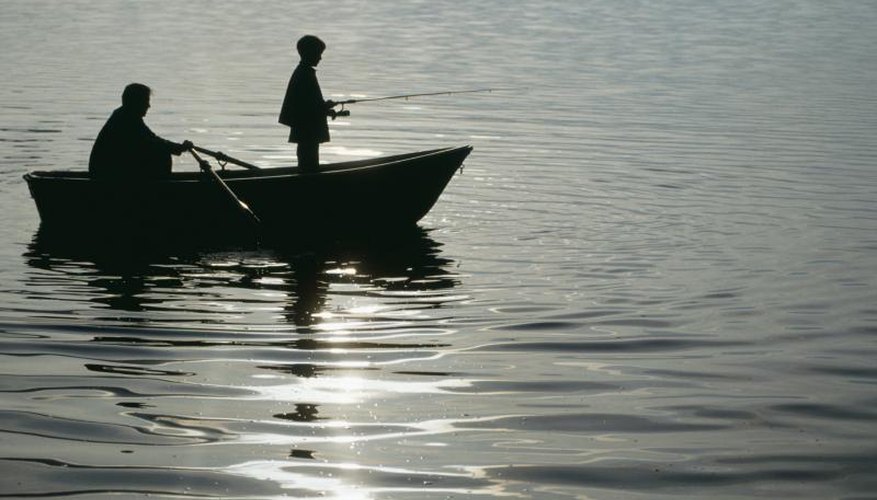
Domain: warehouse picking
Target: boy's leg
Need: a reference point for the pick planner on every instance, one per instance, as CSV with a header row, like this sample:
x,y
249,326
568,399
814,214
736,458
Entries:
x,y
308,155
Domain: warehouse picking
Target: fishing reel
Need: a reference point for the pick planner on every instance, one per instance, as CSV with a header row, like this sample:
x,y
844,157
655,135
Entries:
x,y
341,112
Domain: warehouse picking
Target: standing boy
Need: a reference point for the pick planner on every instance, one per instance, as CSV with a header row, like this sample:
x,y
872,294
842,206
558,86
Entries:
x,y
304,110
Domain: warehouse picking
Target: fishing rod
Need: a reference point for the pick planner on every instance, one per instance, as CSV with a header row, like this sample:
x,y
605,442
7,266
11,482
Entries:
x,y
344,112
423,94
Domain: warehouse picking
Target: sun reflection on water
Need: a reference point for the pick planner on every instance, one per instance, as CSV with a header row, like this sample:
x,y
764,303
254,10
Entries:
x,y
314,355
350,481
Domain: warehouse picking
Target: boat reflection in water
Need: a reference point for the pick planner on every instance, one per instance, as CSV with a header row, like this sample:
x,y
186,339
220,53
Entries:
x,y
299,369
165,282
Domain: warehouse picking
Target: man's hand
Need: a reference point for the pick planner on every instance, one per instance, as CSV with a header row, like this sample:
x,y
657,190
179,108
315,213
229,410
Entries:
x,y
187,145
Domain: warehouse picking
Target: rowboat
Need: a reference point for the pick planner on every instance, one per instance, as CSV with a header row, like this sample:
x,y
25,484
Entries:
x,y
364,195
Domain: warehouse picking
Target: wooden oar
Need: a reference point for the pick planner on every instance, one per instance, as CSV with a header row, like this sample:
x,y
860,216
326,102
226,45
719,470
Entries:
x,y
220,156
206,168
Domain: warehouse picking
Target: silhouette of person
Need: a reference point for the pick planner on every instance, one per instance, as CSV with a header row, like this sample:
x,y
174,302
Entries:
x,y
304,110
126,148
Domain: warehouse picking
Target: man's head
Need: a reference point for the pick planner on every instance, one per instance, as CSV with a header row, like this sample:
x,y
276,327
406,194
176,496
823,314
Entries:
x,y
136,98
310,48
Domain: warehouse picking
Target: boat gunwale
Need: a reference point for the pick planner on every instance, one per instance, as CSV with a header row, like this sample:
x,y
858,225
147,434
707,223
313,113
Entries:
x,y
259,175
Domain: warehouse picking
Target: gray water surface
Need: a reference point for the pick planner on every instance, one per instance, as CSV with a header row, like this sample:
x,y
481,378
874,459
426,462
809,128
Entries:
x,y
655,277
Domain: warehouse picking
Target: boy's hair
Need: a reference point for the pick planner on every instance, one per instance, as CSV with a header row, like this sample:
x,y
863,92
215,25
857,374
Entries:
x,y
310,45
135,93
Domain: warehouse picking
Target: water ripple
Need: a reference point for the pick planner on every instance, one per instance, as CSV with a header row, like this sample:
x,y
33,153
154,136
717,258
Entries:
x,y
654,276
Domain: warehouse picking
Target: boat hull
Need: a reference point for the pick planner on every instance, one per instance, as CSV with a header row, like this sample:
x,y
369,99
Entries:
x,y
362,195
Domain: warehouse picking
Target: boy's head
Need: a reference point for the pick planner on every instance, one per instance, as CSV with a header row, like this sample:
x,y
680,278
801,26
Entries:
x,y
310,48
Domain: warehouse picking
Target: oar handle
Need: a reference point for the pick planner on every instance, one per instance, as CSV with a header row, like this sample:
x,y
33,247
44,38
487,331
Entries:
x,y
203,164
220,156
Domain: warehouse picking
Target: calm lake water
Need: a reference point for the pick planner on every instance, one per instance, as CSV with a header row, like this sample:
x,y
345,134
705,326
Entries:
x,y
654,278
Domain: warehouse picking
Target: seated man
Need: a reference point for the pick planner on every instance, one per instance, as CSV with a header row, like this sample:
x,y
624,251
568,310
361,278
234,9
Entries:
x,y
125,148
